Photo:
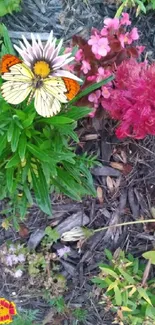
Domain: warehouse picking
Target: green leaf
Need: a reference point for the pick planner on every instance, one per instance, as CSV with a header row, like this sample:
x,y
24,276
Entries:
x,y
52,234
28,194
67,184
22,146
118,296
150,256
9,178
127,277
22,205
144,295
3,142
77,113
13,162
15,138
41,191
90,89
120,9
68,131
4,33
28,121
108,254
141,6
108,271
113,285
10,131
57,120
41,155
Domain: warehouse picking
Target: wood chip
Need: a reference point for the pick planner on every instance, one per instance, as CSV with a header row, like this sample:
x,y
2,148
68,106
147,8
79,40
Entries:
x,y
105,171
75,220
35,238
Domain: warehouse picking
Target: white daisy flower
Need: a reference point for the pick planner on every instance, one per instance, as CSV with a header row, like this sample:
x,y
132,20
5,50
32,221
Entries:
x,y
45,60
40,76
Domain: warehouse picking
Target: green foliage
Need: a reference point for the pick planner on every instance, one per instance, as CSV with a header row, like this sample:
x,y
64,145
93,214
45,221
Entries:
x,y
80,314
123,291
36,156
140,5
150,255
6,46
59,304
51,237
25,318
7,6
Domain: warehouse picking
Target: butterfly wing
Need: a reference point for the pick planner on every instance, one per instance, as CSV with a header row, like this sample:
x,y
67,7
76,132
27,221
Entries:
x,y
55,90
72,88
46,104
18,85
7,61
49,97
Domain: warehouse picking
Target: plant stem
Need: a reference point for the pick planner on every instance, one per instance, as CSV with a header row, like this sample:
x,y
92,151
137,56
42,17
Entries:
x,y
124,224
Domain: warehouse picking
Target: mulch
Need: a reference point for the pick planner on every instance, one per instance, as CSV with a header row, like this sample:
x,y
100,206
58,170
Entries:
x,y
125,182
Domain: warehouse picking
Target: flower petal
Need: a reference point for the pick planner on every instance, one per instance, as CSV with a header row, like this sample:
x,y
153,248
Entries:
x,y
66,74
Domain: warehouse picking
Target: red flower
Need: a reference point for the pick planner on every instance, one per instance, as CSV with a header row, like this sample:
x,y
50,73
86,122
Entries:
x,y
132,100
7,309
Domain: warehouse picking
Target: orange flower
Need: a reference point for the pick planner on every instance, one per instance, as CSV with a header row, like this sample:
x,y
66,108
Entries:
x,y
7,309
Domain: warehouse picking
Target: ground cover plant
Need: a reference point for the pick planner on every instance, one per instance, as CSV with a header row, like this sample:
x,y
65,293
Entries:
x,y
125,289
8,6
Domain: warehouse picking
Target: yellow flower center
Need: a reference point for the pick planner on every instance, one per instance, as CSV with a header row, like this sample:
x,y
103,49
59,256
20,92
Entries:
x,y
4,315
42,69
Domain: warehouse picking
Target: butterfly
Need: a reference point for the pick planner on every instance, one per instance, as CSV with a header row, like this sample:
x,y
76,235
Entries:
x,y
21,82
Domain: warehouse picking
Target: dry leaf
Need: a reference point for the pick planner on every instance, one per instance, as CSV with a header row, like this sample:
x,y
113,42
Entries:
x,y
117,165
110,184
125,168
23,231
100,194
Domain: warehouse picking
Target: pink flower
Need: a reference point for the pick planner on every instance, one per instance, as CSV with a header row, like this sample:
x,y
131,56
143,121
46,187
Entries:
x,y
123,38
140,49
94,97
101,48
70,67
125,19
105,92
68,50
94,39
92,114
100,75
134,34
91,78
79,55
110,23
128,38
94,42
85,67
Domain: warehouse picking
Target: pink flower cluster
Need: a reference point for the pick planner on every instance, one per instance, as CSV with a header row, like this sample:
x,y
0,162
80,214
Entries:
x,y
132,100
105,50
101,40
